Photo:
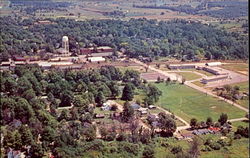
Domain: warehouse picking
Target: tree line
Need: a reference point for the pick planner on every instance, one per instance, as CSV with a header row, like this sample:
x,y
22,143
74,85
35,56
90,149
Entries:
x,y
148,38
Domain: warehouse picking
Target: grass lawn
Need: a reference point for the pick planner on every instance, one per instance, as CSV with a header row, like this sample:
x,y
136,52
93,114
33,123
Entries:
x,y
239,67
98,110
189,75
205,72
244,86
189,103
240,123
239,149
198,83
200,71
244,102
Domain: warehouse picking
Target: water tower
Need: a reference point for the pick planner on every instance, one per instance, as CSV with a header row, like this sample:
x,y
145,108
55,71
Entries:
x,y
65,44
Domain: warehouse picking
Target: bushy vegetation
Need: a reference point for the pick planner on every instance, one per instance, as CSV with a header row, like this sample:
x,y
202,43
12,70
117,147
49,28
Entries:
x,y
148,38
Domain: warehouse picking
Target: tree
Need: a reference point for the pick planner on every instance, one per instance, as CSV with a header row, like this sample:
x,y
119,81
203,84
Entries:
x,y
209,121
158,79
90,133
194,147
104,132
18,141
176,149
128,92
183,80
223,118
100,98
148,152
166,124
36,150
78,101
66,98
113,107
49,134
29,94
63,115
26,135
9,139
128,112
193,122
153,92
23,110
115,90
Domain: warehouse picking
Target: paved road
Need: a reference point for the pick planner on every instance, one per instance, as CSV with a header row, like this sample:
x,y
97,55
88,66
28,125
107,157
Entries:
x,y
238,119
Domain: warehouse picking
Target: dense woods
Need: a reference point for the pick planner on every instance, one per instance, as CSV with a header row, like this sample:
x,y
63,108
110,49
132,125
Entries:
x,y
137,37
31,118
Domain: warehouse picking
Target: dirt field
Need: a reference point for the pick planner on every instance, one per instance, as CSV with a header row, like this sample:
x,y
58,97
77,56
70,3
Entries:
x,y
152,76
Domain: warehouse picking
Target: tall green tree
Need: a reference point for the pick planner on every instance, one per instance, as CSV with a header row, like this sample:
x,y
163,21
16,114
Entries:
x,y
128,112
128,92
100,99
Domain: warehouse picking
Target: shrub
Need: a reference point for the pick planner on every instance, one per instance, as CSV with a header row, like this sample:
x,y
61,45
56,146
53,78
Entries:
x,y
215,146
148,152
222,142
176,149
237,136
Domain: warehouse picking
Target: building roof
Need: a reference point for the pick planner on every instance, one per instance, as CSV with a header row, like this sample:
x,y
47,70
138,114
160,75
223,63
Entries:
x,y
215,77
96,59
151,106
135,106
213,64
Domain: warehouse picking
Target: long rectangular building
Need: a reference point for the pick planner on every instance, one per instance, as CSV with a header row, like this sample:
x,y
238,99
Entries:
x,y
214,78
181,66
215,70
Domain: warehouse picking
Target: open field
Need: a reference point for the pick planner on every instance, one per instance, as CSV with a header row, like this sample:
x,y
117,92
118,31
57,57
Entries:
x,y
244,102
244,86
188,75
237,67
240,123
198,83
239,148
189,103
152,76
205,72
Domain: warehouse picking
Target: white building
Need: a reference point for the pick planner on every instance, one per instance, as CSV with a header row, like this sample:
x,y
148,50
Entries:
x,y
96,59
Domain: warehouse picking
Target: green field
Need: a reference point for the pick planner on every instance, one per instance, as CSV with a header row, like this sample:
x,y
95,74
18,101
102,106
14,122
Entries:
x,y
244,86
189,103
239,148
188,75
205,72
198,83
240,123
239,67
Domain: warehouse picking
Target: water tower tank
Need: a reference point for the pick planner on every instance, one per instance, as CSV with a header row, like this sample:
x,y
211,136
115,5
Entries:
x,y
65,44
65,39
